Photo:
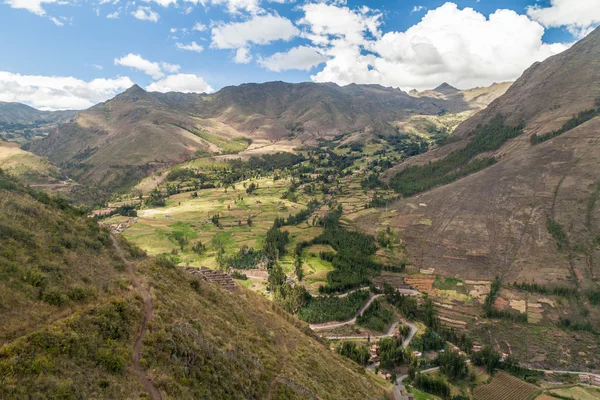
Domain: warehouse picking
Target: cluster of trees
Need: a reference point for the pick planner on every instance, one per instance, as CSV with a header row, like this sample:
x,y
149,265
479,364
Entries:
x,y
453,365
408,145
332,308
459,163
155,199
406,305
436,385
491,360
245,258
533,287
275,242
300,216
429,340
356,352
556,230
376,317
574,122
184,174
391,353
352,261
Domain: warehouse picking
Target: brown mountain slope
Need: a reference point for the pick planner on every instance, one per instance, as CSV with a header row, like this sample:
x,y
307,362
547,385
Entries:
x,y
70,314
495,221
121,140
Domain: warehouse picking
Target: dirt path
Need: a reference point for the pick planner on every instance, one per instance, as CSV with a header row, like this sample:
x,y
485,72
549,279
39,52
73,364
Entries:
x,y
148,386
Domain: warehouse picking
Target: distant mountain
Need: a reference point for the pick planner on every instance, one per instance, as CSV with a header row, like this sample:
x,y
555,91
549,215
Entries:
x,y
533,215
24,114
123,139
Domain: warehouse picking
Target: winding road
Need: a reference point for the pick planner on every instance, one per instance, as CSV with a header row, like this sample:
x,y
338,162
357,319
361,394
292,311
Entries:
x,y
137,347
329,325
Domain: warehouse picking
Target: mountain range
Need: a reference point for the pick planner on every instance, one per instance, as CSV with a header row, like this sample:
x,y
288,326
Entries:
x,y
24,114
123,139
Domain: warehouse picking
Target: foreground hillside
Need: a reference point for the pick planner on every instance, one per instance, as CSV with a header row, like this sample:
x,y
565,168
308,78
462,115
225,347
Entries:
x,y
84,313
118,142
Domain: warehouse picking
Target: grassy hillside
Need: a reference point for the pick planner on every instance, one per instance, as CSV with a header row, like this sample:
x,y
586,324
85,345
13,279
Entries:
x,y
83,313
25,165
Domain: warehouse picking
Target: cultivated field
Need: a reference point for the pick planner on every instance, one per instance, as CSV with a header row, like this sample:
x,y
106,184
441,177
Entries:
x,y
505,387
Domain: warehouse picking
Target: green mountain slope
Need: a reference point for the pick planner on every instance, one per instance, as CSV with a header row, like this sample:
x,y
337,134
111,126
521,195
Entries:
x,y
70,314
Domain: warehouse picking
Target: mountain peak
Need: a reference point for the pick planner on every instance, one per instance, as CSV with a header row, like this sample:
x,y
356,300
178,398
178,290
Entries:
x,y
135,89
446,88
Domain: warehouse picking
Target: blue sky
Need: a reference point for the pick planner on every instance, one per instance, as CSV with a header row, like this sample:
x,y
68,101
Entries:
x,y
74,53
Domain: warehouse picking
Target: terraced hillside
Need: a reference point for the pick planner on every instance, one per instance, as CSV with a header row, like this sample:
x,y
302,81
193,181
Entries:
x,y
495,221
84,311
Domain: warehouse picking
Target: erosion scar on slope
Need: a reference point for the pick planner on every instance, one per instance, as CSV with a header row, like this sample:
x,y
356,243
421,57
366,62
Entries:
x,y
148,386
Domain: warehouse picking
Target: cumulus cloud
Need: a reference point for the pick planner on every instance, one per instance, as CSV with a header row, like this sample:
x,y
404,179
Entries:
x,y
185,83
242,56
578,16
198,26
145,14
458,46
156,70
34,6
262,29
190,47
58,92
302,58
327,23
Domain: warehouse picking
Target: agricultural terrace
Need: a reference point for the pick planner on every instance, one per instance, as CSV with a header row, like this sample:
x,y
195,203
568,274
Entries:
x,y
505,387
205,211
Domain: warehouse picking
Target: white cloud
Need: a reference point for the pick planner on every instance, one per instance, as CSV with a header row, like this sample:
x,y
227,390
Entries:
x,y
173,30
302,58
145,14
198,26
418,8
262,29
242,56
58,92
56,21
329,22
235,6
578,16
461,47
114,15
155,69
186,83
34,6
97,66
190,47
163,3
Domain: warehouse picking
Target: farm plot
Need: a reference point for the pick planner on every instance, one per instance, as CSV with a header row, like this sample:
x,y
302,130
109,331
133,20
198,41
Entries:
x,y
505,387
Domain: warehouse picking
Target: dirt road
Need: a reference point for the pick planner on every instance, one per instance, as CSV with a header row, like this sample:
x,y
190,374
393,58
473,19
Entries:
x,y
148,386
